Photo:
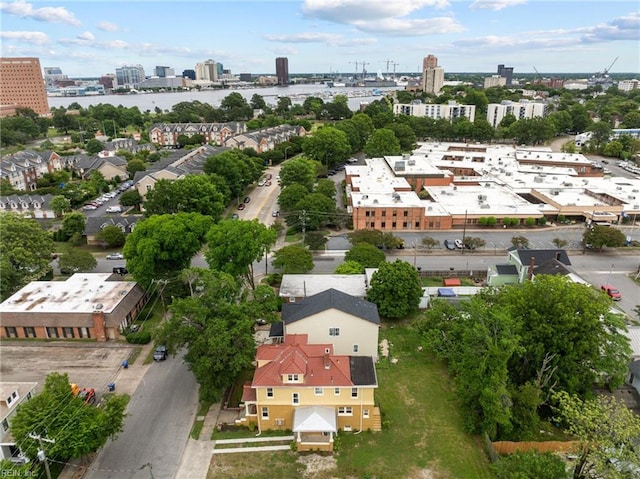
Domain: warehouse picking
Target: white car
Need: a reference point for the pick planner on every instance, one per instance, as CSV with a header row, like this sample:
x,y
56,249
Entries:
x,y
459,244
115,256
114,209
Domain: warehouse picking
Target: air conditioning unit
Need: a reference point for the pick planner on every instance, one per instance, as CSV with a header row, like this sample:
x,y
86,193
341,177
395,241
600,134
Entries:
x,y
279,422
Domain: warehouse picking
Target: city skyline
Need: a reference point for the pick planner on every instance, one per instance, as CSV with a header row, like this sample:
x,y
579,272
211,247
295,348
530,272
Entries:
x,y
90,39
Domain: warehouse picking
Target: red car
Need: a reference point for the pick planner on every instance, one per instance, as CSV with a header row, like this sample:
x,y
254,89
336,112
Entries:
x,y
612,292
241,206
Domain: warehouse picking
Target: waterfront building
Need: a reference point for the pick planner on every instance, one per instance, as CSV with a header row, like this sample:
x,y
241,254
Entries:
x,y
432,75
129,76
22,86
282,70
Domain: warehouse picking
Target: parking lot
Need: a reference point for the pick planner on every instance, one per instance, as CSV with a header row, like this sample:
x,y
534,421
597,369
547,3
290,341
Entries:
x,y
93,365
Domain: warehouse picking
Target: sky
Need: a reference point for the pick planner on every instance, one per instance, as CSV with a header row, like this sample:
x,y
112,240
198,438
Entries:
x,y
88,38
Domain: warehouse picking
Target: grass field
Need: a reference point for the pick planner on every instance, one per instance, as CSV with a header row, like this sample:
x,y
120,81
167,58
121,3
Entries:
x,y
422,434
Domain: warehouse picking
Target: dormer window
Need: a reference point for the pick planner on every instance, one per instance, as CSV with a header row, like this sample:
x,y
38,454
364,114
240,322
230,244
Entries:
x,y
293,378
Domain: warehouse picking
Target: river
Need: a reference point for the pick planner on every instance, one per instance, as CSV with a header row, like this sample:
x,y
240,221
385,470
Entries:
x,y
166,101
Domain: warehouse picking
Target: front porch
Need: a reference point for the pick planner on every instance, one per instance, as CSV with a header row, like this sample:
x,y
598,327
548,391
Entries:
x,y
314,428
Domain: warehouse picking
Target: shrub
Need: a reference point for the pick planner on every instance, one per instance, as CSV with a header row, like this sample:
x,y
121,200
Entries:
x,y
530,221
482,221
492,221
141,337
542,221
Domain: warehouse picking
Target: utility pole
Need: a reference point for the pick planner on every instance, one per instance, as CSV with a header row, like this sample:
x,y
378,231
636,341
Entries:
x,y
304,224
41,454
464,230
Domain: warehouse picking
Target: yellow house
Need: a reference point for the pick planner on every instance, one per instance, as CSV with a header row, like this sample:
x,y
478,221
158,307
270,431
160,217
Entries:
x,y
307,389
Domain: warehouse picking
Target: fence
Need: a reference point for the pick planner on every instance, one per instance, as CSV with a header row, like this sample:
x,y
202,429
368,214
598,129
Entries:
x,y
509,447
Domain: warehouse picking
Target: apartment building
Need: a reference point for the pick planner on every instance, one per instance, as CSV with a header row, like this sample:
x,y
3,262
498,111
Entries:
x,y
22,169
282,70
130,76
449,111
432,75
521,109
22,86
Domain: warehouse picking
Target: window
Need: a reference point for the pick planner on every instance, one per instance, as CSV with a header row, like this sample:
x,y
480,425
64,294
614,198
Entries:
x,y
11,332
29,332
269,392
67,332
383,224
52,332
83,333
384,213
5,425
318,391
354,392
405,213
345,411
393,225
336,391
334,331
355,348
295,399
293,378
417,224
265,412
365,413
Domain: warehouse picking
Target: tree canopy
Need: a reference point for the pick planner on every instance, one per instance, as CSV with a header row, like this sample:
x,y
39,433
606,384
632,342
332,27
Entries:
x,y
328,145
26,252
366,254
293,259
396,289
78,429
163,245
599,236
191,194
301,171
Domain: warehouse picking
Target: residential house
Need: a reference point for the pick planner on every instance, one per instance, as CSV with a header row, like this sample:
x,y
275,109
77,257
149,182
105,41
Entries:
x,y
110,167
309,389
521,264
127,144
350,324
22,169
295,287
265,139
177,165
86,306
95,224
33,206
12,394
166,134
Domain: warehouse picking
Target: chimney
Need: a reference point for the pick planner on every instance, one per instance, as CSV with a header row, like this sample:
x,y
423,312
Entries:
x,y
558,254
326,358
532,263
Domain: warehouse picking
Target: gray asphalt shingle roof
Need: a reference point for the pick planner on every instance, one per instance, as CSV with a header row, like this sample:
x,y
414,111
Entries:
x,y
332,298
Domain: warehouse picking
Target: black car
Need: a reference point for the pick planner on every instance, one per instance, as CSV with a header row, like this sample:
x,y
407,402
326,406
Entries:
x,y
160,354
246,199
449,244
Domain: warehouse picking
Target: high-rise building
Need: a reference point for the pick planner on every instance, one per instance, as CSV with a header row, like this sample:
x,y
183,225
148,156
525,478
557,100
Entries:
x,y
282,70
494,80
506,72
53,75
22,86
190,74
130,76
520,110
432,75
207,71
164,72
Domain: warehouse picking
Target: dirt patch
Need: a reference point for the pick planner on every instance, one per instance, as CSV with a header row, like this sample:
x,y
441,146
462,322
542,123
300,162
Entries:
x,y
315,464
384,347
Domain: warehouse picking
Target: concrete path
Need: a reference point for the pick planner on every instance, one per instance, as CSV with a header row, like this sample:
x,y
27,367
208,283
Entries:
x,y
232,450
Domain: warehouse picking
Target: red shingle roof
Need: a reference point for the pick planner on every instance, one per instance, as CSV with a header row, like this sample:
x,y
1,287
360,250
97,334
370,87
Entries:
x,y
295,356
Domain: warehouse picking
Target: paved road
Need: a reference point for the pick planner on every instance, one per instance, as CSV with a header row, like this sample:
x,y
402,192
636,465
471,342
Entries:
x,y
161,413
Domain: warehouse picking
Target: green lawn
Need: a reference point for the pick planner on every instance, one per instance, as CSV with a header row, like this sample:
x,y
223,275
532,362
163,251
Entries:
x,y
422,432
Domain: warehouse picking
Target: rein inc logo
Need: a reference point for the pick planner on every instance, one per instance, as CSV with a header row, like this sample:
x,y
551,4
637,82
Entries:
x,y
16,473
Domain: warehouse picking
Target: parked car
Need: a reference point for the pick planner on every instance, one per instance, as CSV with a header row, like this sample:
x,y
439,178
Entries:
x,y
246,199
458,244
160,353
261,182
353,160
114,209
612,292
89,207
235,216
449,244
268,183
241,206
275,213
115,256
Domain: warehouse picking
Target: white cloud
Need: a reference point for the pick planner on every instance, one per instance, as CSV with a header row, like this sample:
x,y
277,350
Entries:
x,y
108,27
495,4
45,14
623,28
349,11
37,38
88,36
411,27
334,40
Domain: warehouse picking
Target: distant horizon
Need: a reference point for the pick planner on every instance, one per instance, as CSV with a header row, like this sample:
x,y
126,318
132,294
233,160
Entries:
x,y
91,39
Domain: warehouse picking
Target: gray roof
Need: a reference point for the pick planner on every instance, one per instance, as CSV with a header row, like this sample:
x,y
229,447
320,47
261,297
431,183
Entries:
x,y
26,202
330,299
541,256
96,223
634,368
363,372
173,162
552,266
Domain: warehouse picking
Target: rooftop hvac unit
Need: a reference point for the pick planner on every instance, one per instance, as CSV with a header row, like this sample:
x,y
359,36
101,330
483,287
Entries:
x,y
482,197
411,162
618,187
634,191
555,192
375,202
485,206
632,197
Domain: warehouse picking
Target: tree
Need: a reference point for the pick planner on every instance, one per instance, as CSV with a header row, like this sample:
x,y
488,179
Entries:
x,y
365,254
59,205
300,171
326,187
78,429
429,242
234,245
559,242
161,246
6,188
291,195
530,465
191,194
75,260
293,259
314,211
600,134
395,289
131,198
520,242
608,433
599,236
473,242
134,166
112,235
405,135
93,146
26,252
349,267
73,224
217,331
382,142
315,240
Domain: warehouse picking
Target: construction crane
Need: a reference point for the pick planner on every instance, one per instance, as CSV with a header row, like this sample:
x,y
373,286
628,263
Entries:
x,y
538,76
388,62
364,71
606,70
602,78
355,76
